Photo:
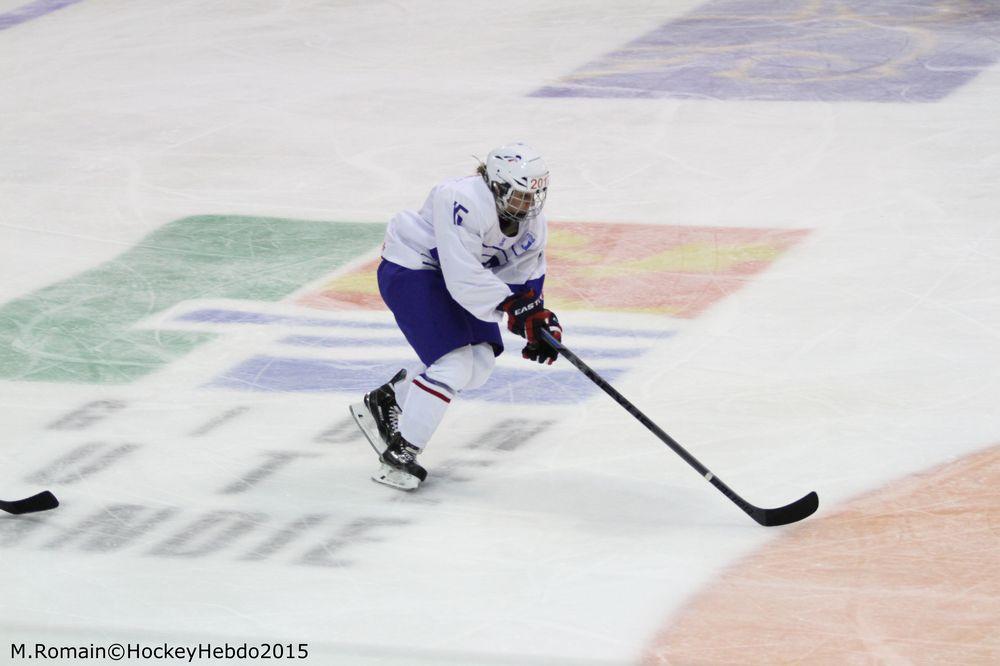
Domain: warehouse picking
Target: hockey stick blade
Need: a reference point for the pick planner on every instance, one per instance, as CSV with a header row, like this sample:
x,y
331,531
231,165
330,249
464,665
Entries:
x,y
43,501
791,513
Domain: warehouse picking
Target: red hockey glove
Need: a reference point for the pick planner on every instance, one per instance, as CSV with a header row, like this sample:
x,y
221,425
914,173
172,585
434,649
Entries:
x,y
523,311
541,351
527,316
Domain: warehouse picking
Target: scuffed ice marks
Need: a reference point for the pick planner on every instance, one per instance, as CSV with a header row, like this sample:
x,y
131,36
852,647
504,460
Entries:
x,y
250,534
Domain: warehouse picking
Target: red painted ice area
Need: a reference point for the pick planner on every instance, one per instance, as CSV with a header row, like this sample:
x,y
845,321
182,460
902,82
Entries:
x,y
906,574
674,270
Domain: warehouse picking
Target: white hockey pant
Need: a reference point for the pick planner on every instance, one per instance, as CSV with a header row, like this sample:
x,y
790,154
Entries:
x,y
427,392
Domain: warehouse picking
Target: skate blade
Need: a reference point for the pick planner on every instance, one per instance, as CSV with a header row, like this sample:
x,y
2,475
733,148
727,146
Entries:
x,y
367,426
390,476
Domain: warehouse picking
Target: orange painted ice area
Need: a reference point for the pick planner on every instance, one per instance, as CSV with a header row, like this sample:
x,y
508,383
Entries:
x,y
908,574
673,270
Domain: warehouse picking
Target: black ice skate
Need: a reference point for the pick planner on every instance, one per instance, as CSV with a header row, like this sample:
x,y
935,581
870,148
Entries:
x,y
378,414
399,465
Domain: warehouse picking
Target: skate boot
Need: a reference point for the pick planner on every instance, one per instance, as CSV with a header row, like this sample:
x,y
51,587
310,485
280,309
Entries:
x,y
399,465
378,414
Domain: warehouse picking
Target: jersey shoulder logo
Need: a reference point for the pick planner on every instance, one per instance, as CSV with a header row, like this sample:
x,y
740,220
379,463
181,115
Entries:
x,y
457,213
528,241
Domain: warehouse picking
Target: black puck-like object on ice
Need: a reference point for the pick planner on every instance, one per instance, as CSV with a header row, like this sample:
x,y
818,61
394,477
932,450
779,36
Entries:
x,y
790,513
43,501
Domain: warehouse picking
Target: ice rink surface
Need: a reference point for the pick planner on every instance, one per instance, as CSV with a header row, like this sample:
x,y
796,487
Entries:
x,y
774,228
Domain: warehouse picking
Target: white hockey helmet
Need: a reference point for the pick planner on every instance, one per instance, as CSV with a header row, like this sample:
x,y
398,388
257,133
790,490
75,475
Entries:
x,y
519,180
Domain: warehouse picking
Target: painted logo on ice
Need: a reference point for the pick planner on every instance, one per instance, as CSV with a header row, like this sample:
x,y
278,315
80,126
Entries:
x,y
810,50
202,277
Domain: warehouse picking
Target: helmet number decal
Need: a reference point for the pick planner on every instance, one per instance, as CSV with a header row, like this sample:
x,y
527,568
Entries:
x,y
539,183
457,213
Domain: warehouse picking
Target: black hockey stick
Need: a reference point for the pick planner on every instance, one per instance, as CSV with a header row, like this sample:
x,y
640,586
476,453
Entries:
x,y
43,501
791,513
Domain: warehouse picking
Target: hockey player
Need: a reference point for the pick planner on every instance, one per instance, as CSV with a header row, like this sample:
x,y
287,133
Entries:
x,y
450,272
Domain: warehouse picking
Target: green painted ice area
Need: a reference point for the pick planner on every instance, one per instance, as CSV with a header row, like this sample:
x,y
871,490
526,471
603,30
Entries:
x,y
80,330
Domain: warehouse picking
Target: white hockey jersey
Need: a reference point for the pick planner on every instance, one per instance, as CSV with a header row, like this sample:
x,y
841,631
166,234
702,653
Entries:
x,y
457,232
